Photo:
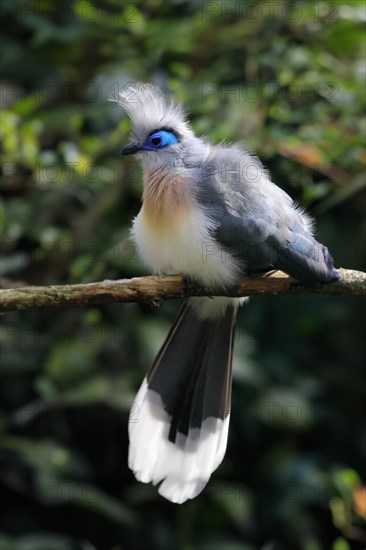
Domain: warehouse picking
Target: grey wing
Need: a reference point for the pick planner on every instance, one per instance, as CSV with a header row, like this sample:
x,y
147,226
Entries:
x,y
257,221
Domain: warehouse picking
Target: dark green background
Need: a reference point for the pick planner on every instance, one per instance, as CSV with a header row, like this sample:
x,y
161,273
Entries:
x,y
288,78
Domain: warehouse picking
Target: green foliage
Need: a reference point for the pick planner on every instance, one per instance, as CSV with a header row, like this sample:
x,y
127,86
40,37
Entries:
x,y
286,77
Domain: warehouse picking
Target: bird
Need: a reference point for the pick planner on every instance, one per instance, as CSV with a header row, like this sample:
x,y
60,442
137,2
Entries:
x,y
211,213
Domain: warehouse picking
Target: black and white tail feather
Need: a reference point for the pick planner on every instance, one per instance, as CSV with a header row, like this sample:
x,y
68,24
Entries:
x,y
179,427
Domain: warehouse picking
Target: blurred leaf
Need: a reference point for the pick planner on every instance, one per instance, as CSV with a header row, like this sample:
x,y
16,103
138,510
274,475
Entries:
x,y
37,541
359,496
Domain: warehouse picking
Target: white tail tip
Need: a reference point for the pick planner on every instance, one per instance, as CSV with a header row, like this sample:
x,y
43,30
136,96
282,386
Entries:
x,y
184,466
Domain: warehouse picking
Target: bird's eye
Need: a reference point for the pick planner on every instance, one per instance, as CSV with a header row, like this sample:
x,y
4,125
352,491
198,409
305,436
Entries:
x,y
156,140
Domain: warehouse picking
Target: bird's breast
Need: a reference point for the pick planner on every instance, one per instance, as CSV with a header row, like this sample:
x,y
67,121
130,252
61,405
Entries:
x,y
174,235
165,196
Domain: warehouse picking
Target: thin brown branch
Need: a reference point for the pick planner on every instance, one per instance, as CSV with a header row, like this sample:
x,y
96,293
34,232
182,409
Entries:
x,y
155,289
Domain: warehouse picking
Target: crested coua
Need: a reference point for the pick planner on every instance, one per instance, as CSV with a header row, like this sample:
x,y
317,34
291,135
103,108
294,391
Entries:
x,y
211,213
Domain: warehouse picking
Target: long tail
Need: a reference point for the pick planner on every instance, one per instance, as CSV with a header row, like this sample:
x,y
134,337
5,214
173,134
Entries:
x,y
178,426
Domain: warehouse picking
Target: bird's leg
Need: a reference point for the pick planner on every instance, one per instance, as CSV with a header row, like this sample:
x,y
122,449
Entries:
x,y
190,287
187,287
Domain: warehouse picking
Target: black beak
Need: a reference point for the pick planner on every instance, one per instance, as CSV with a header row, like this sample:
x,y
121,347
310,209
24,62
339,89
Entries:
x,y
131,149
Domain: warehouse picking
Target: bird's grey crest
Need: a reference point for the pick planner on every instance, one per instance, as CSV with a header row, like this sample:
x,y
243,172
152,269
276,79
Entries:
x,y
150,109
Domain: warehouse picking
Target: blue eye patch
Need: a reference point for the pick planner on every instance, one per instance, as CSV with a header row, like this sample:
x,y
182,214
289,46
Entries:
x,y
160,139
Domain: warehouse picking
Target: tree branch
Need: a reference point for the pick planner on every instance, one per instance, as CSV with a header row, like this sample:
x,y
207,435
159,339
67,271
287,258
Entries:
x,y
155,289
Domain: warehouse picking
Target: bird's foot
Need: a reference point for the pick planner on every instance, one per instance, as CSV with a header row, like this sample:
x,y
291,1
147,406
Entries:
x,y
187,288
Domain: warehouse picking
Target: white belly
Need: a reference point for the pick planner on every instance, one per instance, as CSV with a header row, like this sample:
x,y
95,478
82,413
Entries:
x,y
184,245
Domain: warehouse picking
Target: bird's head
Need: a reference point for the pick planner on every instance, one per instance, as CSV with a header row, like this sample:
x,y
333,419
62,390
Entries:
x,y
160,133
